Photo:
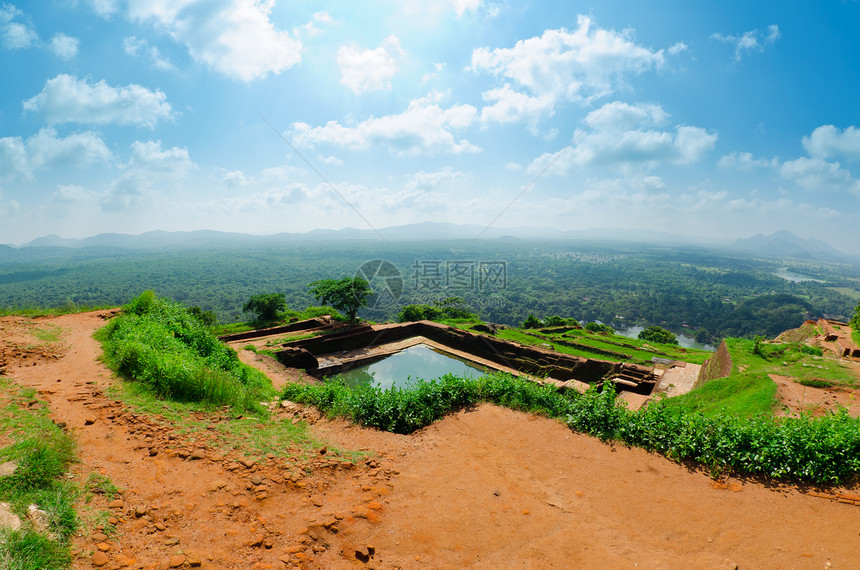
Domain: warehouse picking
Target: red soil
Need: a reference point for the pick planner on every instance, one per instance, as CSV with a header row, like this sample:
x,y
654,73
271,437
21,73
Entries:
x,y
483,488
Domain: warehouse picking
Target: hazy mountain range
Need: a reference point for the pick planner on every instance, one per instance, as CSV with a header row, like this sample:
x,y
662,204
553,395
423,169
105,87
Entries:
x,y
779,244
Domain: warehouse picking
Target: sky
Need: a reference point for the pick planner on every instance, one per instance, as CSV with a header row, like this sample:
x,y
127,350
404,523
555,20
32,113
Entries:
x,y
719,120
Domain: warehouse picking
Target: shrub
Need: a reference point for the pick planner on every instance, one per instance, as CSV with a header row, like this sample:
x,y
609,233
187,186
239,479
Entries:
x,y
161,344
658,334
817,450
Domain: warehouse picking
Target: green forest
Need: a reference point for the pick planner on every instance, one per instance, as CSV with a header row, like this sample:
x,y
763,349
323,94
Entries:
x,y
702,292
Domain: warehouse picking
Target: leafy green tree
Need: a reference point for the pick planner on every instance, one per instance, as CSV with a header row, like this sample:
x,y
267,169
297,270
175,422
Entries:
x,y
658,334
411,313
347,295
266,306
598,327
208,318
855,320
532,322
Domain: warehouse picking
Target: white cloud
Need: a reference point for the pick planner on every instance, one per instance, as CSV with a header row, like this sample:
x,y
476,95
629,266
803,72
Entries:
x,y
370,69
749,42
19,158
138,47
72,194
15,34
105,8
150,173
67,99
424,128
559,65
8,208
818,174
461,6
13,159
677,48
744,161
234,37
623,135
63,46
46,150
330,160
424,181
828,142
311,29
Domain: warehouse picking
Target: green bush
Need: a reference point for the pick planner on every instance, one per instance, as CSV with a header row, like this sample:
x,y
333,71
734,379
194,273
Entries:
x,y
161,344
818,450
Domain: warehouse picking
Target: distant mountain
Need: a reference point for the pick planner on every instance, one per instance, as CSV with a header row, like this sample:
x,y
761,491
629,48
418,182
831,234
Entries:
x,y
207,239
785,244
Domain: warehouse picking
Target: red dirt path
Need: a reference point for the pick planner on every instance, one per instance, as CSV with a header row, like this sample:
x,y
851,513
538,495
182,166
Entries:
x,y
483,488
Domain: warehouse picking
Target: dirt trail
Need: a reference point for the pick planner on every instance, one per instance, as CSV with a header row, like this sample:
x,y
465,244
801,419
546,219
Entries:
x,y
483,488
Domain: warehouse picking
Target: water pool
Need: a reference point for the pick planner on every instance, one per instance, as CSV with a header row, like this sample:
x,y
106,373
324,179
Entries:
x,y
409,365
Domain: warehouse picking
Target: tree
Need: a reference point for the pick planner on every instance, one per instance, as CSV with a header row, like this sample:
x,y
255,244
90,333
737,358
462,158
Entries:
x,y
658,334
598,328
208,318
347,295
532,322
266,306
855,320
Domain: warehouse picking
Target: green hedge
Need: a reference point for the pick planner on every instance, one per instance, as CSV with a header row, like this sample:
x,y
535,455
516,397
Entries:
x,y
804,449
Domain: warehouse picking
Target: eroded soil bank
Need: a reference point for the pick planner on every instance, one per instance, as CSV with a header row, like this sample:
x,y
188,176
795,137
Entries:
x,y
484,488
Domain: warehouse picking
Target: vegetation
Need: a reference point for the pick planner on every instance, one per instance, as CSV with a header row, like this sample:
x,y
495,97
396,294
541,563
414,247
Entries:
x,y
160,344
266,306
450,308
42,452
658,335
621,285
599,327
347,295
817,450
855,320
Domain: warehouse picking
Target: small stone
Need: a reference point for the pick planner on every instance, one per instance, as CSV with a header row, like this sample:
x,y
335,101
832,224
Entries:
x,y
140,511
89,420
256,479
194,559
197,454
160,526
113,520
100,558
153,452
99,537
8,519
248,463
172,541
8,468
116,504
256,541
176,560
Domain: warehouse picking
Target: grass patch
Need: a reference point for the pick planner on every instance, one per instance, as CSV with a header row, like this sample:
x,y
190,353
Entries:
x,y
227,429
159,343
743,395
42,452
818,450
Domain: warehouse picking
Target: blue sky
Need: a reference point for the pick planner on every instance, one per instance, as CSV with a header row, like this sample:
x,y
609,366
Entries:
x,y
718,119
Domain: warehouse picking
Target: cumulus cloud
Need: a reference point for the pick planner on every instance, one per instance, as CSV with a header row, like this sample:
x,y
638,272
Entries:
x,y
370,69
749,41
150,173
559,65
67,99
624,135
234,37
818,174
424,128
14,33
829,142
20,158
141,48
8,207
13,159
63,46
